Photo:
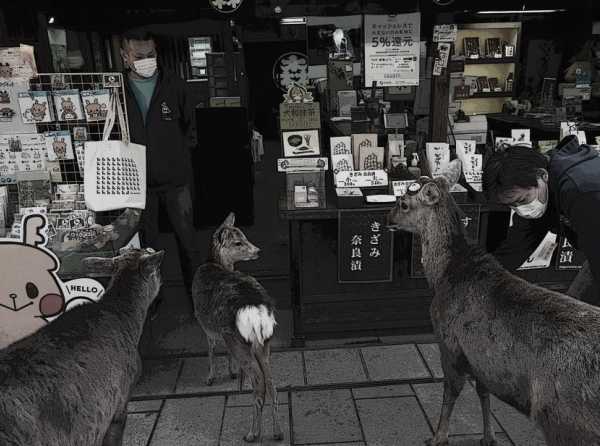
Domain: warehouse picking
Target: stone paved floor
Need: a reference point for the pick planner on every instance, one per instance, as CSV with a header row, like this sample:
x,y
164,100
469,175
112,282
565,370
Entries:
x,y
363,396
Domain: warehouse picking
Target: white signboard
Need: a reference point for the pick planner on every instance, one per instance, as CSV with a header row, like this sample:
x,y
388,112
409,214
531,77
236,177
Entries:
x,y
361,178
302,164
392,49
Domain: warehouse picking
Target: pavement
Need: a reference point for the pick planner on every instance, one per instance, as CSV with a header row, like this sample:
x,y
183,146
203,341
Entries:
x,y
363,395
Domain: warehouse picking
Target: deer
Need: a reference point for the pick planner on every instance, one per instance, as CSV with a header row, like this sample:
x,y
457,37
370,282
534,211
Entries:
x,y
69,382
234,308
535,349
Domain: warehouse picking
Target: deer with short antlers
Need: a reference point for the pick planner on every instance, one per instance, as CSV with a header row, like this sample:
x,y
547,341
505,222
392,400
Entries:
x,y
533,348
233,307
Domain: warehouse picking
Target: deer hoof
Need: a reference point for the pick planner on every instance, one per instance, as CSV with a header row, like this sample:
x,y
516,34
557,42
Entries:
x,y
250,437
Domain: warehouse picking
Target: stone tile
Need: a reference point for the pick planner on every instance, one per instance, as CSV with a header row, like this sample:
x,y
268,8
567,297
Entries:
x,y
382,391
466,417
394,362
431,353
246,399
345,342
189,421
360,443
333,366
324,416
144,406
475,440
397,421
237,422
158,378
287,369
522,430
194,373
138,429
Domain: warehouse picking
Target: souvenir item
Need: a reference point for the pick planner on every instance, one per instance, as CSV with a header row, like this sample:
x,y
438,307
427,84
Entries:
x,y
493,47
521,136
95,104
34,188
68,105
371,158
502,143
59,145
340,145
471,47
301,143
80,133
362,140
35,107
79,153
342,162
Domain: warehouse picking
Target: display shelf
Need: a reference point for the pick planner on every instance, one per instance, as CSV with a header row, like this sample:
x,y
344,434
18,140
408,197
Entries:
x,y
490,61
492,94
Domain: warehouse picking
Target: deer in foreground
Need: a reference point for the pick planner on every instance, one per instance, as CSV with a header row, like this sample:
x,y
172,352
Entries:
x,y
69,383
535,349
233,307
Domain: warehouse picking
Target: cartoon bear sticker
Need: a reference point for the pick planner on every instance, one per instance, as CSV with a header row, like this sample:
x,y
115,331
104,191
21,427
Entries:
x,y
68,110
31,293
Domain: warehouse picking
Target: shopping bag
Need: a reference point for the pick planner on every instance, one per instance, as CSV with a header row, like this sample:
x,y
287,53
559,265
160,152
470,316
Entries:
x,y
115,171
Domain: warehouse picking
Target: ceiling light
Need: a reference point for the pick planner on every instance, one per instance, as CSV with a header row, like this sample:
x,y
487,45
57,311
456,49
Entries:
x,y
293,21
523,11
51,20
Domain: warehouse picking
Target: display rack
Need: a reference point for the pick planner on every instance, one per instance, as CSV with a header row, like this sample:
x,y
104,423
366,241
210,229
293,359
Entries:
x,y
115,228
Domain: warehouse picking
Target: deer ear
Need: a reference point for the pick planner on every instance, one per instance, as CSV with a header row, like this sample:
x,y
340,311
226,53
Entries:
x,y
152,262
230,220
430,193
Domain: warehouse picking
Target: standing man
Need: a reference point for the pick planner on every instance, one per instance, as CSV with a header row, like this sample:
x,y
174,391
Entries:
x,y
547,195
160,118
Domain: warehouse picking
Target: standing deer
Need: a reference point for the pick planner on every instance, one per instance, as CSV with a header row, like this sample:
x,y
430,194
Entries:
x,y
535,349
234,307
69,383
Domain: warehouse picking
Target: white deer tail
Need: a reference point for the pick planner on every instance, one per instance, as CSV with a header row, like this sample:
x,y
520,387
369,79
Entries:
x,y
255,323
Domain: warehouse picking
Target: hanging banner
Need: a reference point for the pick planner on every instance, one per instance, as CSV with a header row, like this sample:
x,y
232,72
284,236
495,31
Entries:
x,y
392,49
365,246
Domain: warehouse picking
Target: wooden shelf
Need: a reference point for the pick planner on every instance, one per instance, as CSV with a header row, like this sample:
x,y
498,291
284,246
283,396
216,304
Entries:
x,y
490,60
492,94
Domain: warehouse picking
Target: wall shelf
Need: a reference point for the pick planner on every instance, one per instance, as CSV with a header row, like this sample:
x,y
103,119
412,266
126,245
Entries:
x,y
492,94
490,61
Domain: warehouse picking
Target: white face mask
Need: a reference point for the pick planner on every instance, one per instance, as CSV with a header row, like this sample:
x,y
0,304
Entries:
x,y
535,209
532,210
145,67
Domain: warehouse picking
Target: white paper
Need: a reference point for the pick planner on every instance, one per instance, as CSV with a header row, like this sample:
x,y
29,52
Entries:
x,y
542,256
445,33
464,148
342,162
340,145
392,49
362,178
17,63
521,136
502,141
400,187
10,115
438,157
581,137
301,143
473,168
568,128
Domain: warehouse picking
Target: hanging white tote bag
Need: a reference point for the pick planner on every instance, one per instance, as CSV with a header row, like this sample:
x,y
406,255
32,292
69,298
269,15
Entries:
x,y
115,171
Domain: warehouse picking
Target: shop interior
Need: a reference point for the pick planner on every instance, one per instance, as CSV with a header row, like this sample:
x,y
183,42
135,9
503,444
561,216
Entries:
x,y
505,67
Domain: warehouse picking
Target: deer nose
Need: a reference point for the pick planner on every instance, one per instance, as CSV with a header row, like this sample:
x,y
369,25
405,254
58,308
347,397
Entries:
x,y
13,296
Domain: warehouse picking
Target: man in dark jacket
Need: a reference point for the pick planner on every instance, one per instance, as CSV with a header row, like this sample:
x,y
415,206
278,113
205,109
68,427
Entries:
x,y
547,195
160,118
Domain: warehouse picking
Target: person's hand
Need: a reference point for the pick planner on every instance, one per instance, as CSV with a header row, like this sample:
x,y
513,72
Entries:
x,y
184,201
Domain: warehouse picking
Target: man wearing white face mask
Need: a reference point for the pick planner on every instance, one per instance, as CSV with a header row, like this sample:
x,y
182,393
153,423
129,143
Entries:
x,y
559,194
160,117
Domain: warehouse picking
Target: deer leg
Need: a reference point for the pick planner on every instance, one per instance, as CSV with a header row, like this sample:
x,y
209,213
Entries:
x,y
489,437
250,367
210,379
264,358
453,385
114,433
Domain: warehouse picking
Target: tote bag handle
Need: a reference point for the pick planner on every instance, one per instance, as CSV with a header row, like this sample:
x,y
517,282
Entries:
x,y
115,109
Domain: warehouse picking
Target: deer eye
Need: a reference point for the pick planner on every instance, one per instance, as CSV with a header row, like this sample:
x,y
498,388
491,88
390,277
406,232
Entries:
x,y
238,243
31,290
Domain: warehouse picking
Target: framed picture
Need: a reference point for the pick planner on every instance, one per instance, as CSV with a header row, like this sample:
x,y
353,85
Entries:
x,y
301,143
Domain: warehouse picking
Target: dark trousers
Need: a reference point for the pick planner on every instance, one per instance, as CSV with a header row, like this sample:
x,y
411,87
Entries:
x,y
173,201
584,286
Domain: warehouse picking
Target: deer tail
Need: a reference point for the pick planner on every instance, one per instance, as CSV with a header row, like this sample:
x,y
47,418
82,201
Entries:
x,y
255,324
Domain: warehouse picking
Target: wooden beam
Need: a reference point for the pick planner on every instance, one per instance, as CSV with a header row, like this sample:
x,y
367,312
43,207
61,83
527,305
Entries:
x,y
438,125
43,55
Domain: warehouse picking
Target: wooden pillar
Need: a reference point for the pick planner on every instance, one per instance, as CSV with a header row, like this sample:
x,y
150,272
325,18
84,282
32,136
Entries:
x,y
438,125
3,28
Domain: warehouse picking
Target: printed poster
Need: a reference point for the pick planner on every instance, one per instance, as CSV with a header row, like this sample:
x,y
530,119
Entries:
x,y
392,49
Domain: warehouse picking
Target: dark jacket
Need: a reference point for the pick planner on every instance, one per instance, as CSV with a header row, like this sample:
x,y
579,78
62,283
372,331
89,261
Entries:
x,y
574,199
166,132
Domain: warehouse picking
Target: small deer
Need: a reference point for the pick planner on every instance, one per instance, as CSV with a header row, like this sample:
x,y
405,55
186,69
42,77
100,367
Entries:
x,y
533,348
69,383
234,307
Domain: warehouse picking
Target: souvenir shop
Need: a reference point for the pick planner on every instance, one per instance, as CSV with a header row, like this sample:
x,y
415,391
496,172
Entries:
x,y
350,104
